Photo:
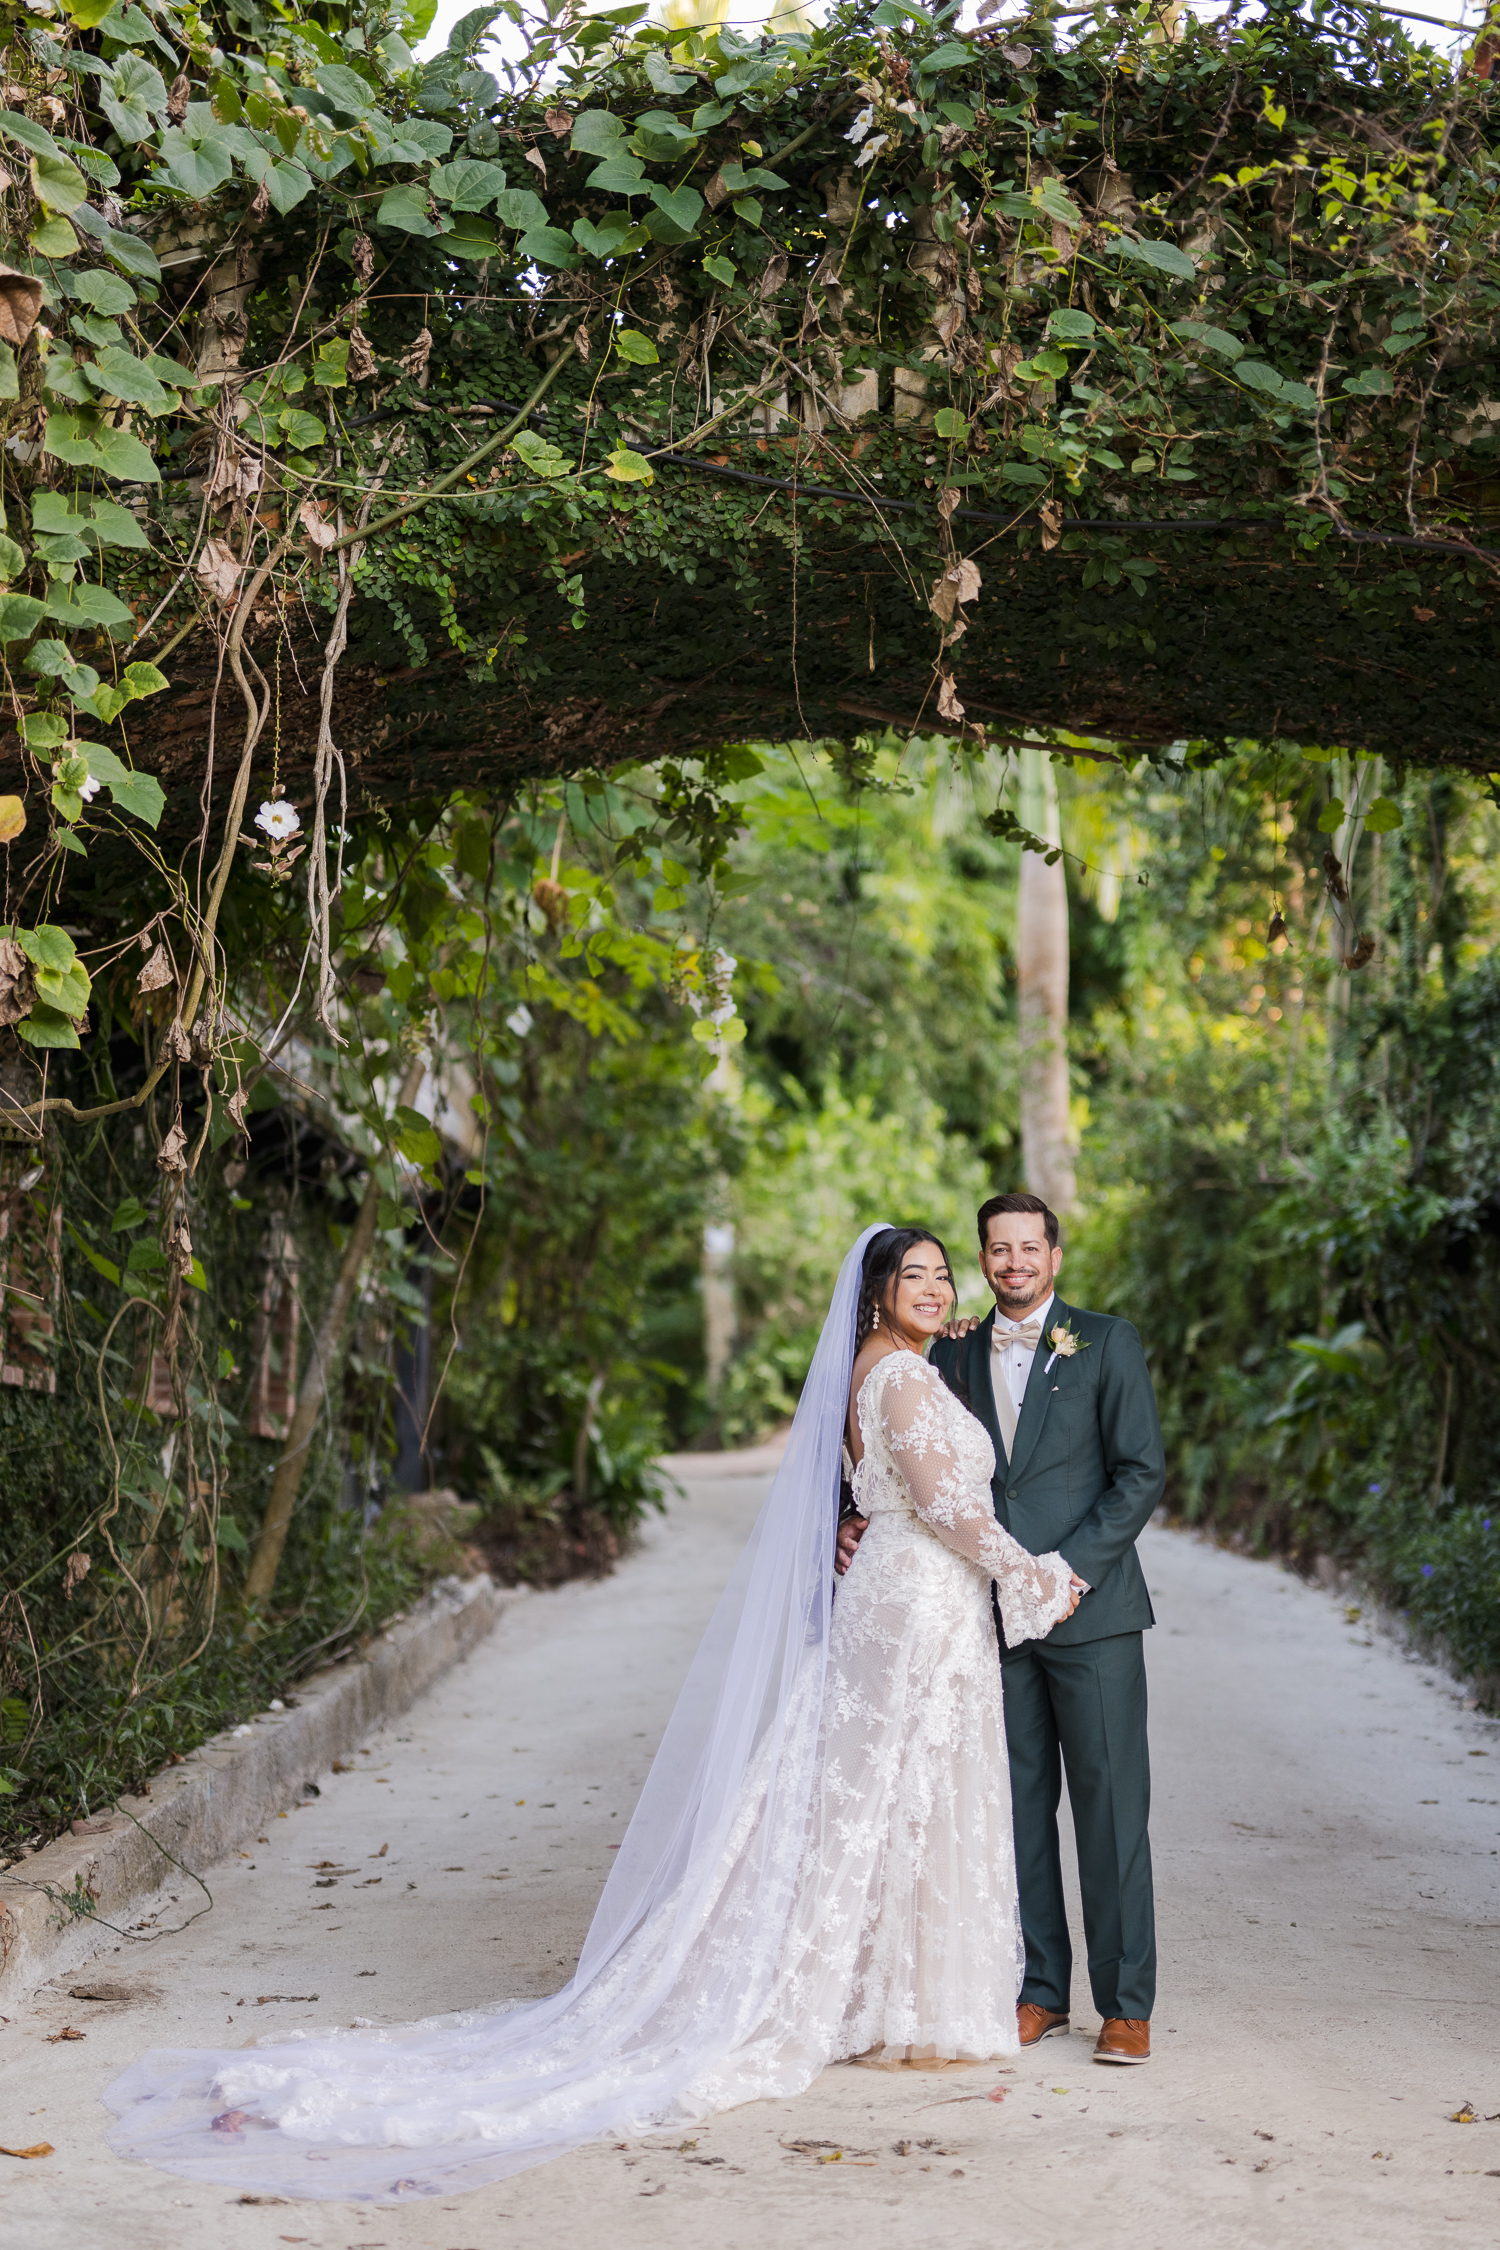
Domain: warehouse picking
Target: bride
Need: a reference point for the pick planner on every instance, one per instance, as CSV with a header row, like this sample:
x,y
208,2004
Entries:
x,y
820,1868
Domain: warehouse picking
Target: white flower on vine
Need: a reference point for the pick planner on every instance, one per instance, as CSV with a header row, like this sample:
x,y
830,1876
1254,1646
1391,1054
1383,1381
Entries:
x,y
520,1020
872,149
88,789
862,124
279,820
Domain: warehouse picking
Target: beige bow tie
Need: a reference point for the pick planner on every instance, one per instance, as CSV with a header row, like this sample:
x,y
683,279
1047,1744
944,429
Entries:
x,y
1028,1333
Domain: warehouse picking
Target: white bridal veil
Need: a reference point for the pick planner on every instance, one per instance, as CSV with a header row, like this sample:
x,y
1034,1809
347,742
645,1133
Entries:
x,y
678,1961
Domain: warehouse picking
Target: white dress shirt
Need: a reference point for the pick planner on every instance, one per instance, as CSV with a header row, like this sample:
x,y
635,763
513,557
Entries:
x,y
1010,1369
1011,1360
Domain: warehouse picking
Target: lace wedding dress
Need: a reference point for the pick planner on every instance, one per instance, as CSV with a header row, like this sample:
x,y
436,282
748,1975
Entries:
x,y
821,1865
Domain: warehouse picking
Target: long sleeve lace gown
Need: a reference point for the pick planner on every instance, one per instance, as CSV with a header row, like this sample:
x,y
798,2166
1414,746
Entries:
x,y
904,1941
861,1901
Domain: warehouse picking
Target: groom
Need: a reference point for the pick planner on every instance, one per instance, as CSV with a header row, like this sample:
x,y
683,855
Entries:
x,y
1066,1397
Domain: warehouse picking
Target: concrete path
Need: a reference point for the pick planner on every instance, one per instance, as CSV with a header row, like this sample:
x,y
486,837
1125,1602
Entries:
x,y
1326,1833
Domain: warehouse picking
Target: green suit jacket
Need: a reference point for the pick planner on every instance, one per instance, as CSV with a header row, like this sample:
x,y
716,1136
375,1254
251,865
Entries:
x,y
1089,1466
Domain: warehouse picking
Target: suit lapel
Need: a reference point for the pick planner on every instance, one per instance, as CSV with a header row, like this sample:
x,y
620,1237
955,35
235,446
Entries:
x,y
980,1382
1038,1393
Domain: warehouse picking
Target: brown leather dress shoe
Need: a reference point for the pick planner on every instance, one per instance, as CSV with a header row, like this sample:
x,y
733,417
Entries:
x,y
1123,2039
1036,2023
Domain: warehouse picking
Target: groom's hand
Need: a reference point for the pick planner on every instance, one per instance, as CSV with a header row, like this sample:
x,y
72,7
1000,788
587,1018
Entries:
x,y
851,1531
955,1330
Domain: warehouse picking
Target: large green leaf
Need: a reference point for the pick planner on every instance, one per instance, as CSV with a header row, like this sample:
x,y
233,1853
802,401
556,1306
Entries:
x,y
47,1027
20,615
10,379
638,349
197,167
683,206
81,605
15,125
119,374
407,208
597,132
54,240
123,456
620,175
138,793
1162,257
67,990
58,183
352,93
548,246
138,94
472,237
48,947
106,292
467,185
518,207
304,431
12,559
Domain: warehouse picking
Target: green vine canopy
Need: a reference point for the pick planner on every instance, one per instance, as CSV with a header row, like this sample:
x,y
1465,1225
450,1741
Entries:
x,y
377,424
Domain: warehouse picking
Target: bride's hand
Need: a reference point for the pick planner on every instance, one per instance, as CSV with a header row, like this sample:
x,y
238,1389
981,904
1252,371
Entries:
x,y
1078,1587
954,1331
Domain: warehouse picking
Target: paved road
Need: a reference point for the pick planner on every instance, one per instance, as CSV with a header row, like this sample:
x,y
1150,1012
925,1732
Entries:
x,y
1326,1833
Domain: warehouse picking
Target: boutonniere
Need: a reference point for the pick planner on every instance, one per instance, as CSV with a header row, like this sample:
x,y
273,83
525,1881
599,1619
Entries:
x,y
1064,1344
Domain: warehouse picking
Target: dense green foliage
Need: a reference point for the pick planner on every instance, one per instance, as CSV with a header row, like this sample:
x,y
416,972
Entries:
x,y
1301,1214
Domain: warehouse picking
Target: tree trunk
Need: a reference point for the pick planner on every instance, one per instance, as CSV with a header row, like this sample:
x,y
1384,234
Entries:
x,y
1042,981
288,1479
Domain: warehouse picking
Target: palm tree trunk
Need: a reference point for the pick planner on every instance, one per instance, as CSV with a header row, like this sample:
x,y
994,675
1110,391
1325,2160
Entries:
x,y
1042,980
287,1482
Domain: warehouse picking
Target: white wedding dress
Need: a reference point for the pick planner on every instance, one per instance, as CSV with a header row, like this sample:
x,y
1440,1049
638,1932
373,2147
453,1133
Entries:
x,y
821,1865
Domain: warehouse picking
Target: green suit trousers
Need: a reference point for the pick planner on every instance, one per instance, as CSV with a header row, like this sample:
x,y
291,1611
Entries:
x,y
1081,1707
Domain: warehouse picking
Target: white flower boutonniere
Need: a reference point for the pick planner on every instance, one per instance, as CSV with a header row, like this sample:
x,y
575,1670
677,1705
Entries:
x,y
1064,1344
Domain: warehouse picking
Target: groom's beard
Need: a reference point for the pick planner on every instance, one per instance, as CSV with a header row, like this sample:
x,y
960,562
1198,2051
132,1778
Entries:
x,y
1012,1301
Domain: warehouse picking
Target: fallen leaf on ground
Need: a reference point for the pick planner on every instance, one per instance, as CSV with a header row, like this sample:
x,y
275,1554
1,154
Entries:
x,y
42,2148
101,1992
1464,2115
267,1999
67,2032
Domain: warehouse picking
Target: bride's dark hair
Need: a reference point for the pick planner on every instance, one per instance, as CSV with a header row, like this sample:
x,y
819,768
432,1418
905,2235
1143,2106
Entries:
x,y
883,1261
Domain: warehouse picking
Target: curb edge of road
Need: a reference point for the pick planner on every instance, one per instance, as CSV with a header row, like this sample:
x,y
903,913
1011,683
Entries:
x,y
220,1795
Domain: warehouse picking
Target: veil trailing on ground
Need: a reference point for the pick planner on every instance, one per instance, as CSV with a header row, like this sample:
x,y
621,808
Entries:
x,y
678,1962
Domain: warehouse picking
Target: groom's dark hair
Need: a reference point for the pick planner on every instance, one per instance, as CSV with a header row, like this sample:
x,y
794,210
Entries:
x,y
1027,1206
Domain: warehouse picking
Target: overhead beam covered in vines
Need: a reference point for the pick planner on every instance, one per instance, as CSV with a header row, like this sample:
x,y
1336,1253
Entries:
x,y
1078,381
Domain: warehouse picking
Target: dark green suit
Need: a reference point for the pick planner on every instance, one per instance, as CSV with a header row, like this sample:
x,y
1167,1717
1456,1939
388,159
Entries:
x,y
1087,1471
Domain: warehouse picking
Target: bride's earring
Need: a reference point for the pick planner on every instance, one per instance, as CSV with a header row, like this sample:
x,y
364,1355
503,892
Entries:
x,y
874,1318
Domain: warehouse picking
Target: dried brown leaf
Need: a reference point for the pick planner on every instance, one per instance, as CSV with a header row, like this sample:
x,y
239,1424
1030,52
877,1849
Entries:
x,y
156,973
774,277
16,989
219,569
534,158
20,305
41,2148
173,1155
362,256
948,704
319,533
180,95
1050,513
77,1570
559,122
